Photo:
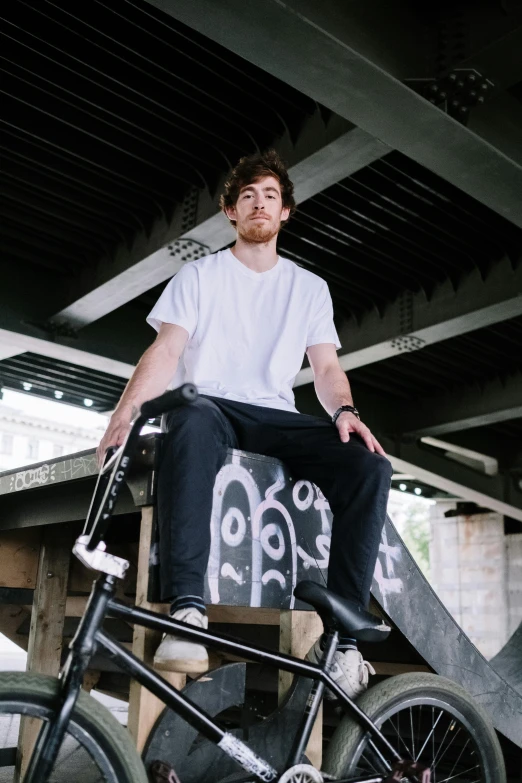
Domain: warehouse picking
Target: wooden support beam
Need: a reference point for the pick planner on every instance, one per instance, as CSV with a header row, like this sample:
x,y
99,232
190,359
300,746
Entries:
x,y
47,620
298,631
144,707
19,552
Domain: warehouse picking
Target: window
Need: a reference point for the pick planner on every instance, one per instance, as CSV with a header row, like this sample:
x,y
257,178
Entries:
x,y
58,449
32,448
6,443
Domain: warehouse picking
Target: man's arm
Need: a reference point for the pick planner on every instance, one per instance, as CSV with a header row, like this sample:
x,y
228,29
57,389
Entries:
x,y
150,378
333,391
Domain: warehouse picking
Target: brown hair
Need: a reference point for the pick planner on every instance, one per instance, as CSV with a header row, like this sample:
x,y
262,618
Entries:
x,y
254,167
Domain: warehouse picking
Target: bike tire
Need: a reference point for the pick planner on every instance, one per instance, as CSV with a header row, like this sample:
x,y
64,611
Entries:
x,y
422,703
96,746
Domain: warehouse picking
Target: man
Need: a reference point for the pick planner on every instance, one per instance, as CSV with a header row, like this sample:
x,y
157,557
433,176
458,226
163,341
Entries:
x,y
237,324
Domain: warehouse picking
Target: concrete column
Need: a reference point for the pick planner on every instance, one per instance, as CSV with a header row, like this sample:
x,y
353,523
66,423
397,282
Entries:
x,y
514,581
469,568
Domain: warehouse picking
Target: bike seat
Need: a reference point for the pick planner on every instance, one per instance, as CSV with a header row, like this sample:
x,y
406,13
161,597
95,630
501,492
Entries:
x,y
342,614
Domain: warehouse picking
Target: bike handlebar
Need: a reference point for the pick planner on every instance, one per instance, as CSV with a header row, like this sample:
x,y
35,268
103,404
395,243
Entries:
x,y
172,399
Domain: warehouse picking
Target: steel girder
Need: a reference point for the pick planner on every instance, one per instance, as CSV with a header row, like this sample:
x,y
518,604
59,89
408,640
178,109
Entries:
x,y
322,156
498,493
408,324
412,322
23,342
490,403
315,48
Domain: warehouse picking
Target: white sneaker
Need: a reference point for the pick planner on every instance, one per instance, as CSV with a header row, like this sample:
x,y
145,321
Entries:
x,y
348,670
179,655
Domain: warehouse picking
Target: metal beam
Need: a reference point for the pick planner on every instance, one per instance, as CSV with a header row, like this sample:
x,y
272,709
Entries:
x,y
496,401
477,303
505,449
322,156
497,493
316,48
412,322
16,343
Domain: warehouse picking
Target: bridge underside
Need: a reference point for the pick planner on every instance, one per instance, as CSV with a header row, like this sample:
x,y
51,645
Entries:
x,y
402,133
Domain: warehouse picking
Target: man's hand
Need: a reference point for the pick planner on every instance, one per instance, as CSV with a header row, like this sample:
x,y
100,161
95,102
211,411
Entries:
x,y
114,436
348,422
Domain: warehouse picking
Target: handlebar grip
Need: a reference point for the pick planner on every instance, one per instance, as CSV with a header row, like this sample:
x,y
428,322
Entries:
x,y
172,399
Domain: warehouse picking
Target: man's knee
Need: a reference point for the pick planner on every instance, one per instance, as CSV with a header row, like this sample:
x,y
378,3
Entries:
x,y
371,466
199,416
382,466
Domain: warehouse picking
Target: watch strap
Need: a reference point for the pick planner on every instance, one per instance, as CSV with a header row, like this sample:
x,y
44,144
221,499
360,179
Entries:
x,y
342,409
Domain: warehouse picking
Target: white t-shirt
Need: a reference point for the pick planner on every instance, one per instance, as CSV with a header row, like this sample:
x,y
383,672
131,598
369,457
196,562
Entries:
x,y
248,331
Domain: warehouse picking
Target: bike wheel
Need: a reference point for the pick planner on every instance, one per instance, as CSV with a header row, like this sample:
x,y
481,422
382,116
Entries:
x,y
96,748
428,719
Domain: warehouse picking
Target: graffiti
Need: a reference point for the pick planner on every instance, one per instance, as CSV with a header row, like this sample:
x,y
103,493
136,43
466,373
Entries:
x,y
261,536
49,473
78,467
384,574
269,532
35,477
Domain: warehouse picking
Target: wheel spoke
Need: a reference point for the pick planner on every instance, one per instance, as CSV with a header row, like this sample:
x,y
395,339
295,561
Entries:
x,y
433,744
412,733
459,756
399,737
431,734
465,772
440,753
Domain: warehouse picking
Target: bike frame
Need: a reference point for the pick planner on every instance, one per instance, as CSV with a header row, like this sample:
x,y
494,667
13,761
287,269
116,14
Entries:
x,y
90,637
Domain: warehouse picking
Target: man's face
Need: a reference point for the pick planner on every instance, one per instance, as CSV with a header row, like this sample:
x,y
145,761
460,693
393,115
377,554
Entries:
x,y
259,211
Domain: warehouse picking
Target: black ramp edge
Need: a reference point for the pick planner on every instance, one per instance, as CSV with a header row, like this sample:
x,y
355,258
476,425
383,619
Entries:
x,y
508,661
405,595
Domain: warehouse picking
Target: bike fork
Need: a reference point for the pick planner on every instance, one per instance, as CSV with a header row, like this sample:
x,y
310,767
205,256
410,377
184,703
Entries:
x,y
81,649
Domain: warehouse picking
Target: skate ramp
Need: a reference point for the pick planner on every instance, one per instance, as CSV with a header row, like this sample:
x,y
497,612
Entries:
x,y
270,530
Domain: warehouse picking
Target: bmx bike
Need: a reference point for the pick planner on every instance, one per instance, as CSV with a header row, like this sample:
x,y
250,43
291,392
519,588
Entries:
x,y
407,728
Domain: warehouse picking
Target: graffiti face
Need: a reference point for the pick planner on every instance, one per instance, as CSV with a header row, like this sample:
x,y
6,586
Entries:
x,y
267,534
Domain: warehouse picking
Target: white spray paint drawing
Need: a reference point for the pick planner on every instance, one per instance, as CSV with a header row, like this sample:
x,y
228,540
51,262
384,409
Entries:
x,y
388,583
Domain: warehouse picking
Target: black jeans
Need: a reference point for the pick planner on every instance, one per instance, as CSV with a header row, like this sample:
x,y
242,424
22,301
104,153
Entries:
x,y
355,481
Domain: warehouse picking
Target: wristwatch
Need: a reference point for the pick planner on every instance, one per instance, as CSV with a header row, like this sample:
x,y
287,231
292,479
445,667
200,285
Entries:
x,y
348,408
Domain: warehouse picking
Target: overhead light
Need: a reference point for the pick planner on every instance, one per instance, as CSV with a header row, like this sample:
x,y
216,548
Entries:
x,y
27,386
418,491
403,487
58,394
88,403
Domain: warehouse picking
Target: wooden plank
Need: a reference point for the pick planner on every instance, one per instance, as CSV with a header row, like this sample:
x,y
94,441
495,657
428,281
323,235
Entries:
x,y
47,619
254,615
298,631
19,552
75,605
144,707
90,679
392,668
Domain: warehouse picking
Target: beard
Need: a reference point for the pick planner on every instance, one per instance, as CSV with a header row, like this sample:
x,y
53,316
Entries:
x,y
257,233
